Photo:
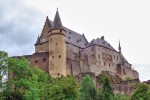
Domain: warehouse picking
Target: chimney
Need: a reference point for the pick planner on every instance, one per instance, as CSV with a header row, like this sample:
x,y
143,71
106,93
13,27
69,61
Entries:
x,y
102,37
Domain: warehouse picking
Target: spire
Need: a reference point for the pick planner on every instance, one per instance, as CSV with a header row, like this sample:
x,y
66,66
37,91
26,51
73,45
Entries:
x,y
119,47
48,22
38,40
57,21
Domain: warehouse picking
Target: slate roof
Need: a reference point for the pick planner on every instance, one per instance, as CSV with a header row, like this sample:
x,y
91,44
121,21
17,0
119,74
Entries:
x,y
38,40
123,59
101,42
57,21
75,38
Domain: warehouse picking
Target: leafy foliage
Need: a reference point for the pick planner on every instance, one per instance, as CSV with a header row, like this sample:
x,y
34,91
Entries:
x,y
3,68
87,89
121,97
64,88
107,90
141,93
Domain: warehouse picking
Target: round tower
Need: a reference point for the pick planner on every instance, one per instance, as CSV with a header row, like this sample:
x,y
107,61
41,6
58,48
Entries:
x,y
57,48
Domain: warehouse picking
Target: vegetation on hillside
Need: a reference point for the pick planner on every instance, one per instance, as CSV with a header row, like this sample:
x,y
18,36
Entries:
x,y
31,83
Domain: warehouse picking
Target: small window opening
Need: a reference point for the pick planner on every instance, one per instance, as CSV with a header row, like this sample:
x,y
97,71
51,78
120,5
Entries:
x,y
69,37
51,39
109,64
92,48
44,59
104,64
56,43
99,56
36,61
52,56
69,32
58,74
59,56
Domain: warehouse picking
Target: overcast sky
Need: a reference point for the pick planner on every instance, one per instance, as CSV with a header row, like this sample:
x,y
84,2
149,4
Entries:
x,y
21,21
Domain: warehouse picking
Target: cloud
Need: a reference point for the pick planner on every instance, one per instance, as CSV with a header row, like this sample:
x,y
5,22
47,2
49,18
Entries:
x,y
19,27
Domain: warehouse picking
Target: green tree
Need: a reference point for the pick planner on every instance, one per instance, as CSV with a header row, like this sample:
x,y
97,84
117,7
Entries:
x,y
107,90
44,82
87,89
3,68
121,97
3,72
64,88
141,93
22,82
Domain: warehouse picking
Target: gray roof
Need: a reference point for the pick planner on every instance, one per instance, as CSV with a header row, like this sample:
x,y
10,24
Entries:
x,y
57,21
101,42
75,38
38,40
123,59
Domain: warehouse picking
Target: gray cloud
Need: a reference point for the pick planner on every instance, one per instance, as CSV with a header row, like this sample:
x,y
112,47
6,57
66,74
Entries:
x,y
19,27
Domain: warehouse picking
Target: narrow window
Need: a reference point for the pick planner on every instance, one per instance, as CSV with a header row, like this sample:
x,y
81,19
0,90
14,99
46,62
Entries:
x,y
36,61
109,64
58,74
56,43
51,39
99,56
92,48
104,63
99,62
59,56
52,56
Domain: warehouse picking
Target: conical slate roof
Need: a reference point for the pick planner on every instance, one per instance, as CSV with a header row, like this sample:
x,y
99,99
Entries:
x,y
38,40
57,21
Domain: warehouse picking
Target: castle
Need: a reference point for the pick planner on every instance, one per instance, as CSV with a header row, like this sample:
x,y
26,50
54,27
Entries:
x,y
61,51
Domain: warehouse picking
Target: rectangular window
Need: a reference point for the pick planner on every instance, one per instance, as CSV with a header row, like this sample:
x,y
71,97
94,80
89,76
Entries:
x,y
99,56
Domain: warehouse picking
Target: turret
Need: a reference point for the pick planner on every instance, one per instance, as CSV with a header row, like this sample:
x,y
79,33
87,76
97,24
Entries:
x,y
57,48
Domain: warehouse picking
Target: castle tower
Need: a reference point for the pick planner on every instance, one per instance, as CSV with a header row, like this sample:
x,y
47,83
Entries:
x,y
57,48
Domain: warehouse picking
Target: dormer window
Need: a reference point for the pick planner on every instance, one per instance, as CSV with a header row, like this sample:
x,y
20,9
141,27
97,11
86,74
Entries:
x,y
103,42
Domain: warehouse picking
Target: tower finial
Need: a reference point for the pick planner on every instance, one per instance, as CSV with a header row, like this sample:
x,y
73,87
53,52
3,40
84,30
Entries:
x,y
57,21
119,47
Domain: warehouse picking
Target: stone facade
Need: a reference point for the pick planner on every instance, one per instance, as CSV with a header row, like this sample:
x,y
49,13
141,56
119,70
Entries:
x,y
61,51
